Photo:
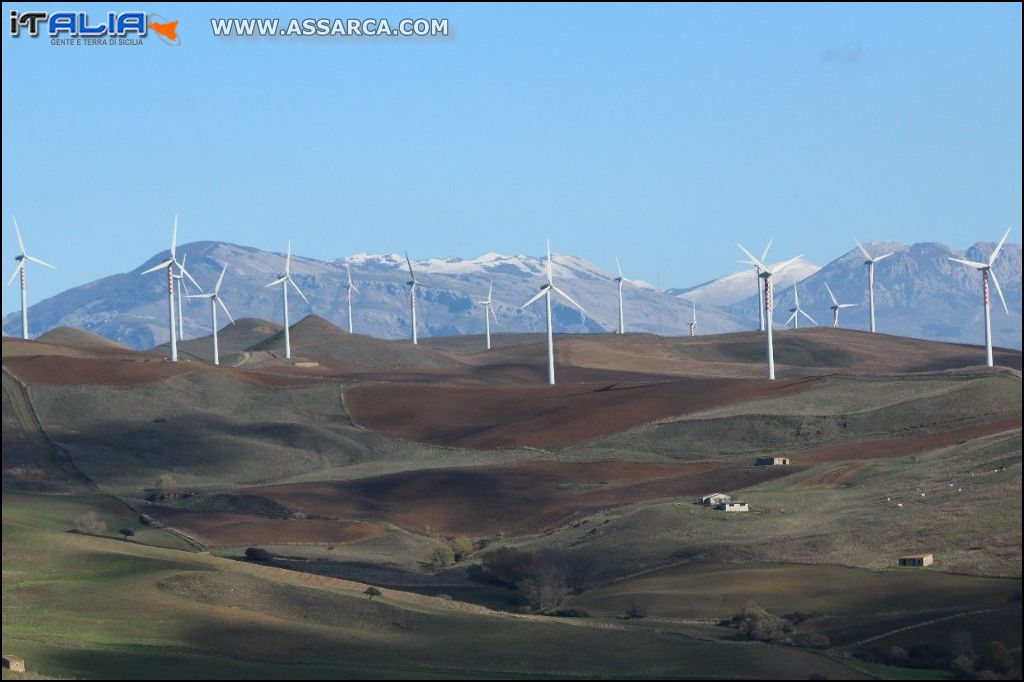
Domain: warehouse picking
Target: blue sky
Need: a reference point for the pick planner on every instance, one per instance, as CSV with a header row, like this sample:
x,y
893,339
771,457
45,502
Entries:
x,y
660,134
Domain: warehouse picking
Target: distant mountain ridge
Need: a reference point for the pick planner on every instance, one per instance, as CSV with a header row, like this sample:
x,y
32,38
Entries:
x,y
918,293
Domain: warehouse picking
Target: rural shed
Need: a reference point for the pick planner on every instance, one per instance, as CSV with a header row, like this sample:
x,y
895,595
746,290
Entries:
x,y
771,461
714,499
917,560
733,506
15,664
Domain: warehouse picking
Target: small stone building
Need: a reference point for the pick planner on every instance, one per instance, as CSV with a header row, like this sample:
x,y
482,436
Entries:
x,y
771,461
714,499
918,560
15,664
733,506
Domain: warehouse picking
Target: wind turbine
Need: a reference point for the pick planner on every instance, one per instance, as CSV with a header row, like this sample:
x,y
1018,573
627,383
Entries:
x,y
20,268
797,310
836,306
413,283
986,273
284,280
215,300
488,312
545,291
182,286
170,264
349,289
766,275
620,279
693,321
870,262
757,280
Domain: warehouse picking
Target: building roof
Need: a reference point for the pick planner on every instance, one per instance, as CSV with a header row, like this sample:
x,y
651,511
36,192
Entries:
x,y
916,556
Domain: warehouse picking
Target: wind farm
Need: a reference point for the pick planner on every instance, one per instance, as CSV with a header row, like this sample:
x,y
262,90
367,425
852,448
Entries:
x,y
443,434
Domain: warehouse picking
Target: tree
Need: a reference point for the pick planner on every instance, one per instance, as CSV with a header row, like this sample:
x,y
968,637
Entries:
x,y
960,644
127,533
545,589
258,554
372,592
756,623
962,667
90,522
995,657
636,610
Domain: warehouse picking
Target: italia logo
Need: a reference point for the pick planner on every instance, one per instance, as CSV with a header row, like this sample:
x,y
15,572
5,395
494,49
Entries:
x,y
71,25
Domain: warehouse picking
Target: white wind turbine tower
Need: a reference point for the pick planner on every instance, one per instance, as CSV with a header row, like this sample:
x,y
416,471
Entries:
x,y
284,280
22,257
182,294
693,320
797,310
766,275
413,283
988,273
349,289
870,262
836,306
170,264
215,300
620,279
757,281
489,312
545,291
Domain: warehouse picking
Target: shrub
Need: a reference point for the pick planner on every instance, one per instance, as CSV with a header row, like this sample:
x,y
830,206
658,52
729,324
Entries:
x,y
545,588
571,613
897,655
372,592
442,557
90,522
127,533
258,554
164,482
636,611
995,657
757,624
462,547
962,668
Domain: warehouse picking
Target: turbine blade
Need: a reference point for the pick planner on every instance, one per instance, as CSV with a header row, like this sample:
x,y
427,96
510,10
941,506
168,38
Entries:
x,y
17,269
220,280
17,230
550,280
619,266
753,258
161,266
831,295
40,261
791,318
780,268
224,308
862,249
999,290
569,299
356,289
490,309
764,256
288,259
412,275
210,295
186,273
847,305
992,258
349,271
279,280
884,256
490,290
292,282
972,263
538,295
174,236
808,317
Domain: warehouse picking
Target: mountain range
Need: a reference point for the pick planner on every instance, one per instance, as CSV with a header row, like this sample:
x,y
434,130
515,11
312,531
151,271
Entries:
x,y
918,293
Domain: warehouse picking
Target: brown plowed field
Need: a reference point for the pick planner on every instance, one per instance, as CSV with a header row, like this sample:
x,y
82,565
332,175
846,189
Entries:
x,y
541,416
220,528
517,499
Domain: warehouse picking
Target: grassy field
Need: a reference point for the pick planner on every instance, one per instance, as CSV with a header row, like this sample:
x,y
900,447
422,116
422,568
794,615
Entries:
x,y
77,605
